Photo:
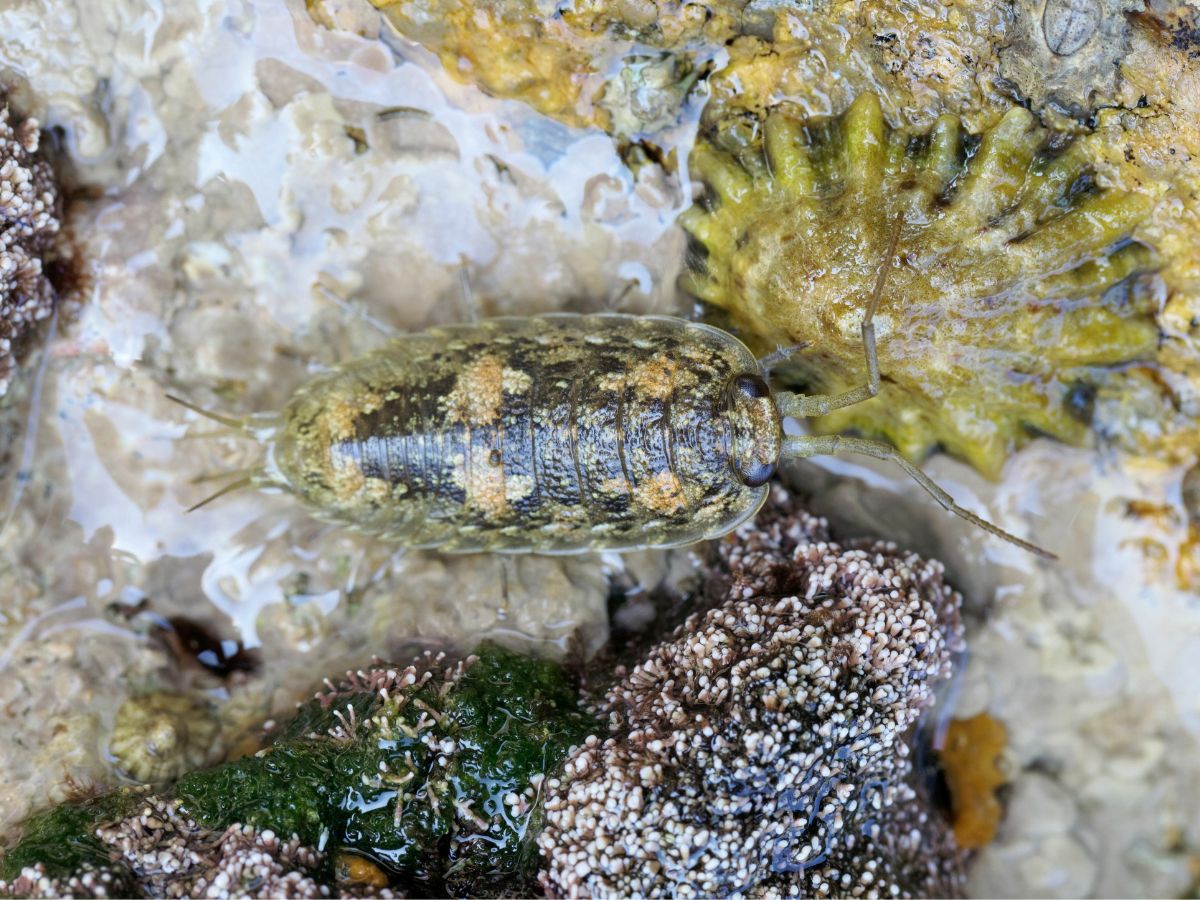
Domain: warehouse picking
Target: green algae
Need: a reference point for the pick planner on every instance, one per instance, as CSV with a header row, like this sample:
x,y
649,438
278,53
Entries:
x,y
63,839
399,779
433,772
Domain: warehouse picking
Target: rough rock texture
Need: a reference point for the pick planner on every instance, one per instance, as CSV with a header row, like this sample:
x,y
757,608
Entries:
x,y
219,142
30,213
763,746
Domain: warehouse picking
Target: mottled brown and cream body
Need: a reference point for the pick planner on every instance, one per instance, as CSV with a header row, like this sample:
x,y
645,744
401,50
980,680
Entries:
x,y
558,433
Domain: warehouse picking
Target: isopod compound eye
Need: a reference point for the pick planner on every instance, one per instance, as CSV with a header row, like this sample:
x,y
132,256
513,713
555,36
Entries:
x,y
755,430
751,387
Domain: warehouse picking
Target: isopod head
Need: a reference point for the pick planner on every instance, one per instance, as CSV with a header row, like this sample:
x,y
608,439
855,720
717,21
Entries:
x,y
757,433
312,450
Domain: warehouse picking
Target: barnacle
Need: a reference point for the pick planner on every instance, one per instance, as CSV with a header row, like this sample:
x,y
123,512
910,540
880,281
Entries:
x,y
30,224
159,736
1008,269
761,749
130,843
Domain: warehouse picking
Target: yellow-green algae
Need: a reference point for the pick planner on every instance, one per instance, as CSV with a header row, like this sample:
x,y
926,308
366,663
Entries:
x,y
563,58
926,59
573,62
1008,269
509,49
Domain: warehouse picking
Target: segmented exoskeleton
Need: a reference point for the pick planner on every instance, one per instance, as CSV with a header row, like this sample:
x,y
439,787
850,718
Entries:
x,y
553,434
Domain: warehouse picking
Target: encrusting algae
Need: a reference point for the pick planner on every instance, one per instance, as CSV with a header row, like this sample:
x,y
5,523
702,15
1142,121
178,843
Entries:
x,y
970,758
508,49
561,59
1010,270
561,62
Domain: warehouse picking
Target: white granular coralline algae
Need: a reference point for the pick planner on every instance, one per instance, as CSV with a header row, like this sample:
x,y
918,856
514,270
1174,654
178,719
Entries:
x,y
30,211
763,750
160,852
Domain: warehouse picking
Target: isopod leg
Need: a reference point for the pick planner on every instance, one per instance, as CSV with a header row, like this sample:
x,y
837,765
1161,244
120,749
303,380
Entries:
x,y
802,407
352,308
803,446
469,303
807,407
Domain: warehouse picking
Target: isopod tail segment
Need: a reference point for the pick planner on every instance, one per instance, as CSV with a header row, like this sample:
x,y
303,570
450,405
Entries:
x,y
801,406
260,428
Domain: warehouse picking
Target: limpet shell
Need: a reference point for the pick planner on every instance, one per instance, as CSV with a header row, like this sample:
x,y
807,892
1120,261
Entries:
x,y
157,737
1012,279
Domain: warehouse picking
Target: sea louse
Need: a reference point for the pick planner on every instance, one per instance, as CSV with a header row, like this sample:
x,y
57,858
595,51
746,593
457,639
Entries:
x,y
551,434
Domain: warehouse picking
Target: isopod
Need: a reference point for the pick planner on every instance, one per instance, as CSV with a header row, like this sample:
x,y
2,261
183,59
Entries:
x,y
559,433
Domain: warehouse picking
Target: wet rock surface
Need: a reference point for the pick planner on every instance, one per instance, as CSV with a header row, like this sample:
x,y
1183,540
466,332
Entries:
x,y
1064,56
264,187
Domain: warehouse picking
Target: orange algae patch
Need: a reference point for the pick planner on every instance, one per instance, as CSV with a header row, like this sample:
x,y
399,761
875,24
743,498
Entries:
x,y
970,759
479,393
357,871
